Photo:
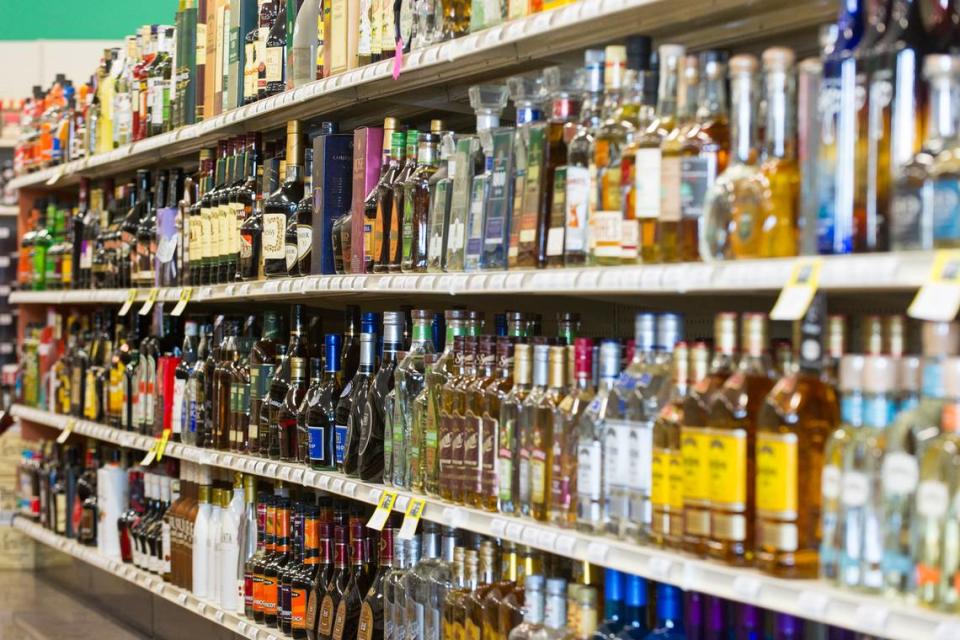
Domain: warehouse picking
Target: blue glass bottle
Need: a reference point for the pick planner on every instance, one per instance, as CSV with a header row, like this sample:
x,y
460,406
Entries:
x,y
669,614
612,605
837,116
635,611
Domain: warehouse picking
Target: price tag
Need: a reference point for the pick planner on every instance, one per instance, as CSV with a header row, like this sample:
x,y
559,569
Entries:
x,y
337,486
497,525
151,454
938,299
131,297
873,618
379,518
310,478
660,567
350,489
296,476
514,531
546,539
185,294
148,303
67,430
324,482
529,536
285,472
162,444
747,587
241,627
597,552
411,518
565,545
182,598
219,617
813,603
796,296
271,469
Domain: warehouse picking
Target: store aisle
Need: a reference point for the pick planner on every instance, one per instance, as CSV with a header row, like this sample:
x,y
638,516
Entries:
x,y
32,608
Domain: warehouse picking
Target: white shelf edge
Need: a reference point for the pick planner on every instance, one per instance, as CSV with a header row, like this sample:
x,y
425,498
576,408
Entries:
x,y
905,271
9,211
147,581
810,599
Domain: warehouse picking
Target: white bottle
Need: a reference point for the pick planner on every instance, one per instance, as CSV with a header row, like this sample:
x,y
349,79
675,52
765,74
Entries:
x,y
229,549
213,547
201,528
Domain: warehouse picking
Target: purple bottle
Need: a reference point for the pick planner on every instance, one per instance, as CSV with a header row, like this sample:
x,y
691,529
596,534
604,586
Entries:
x,y
749,621
693,615
788,627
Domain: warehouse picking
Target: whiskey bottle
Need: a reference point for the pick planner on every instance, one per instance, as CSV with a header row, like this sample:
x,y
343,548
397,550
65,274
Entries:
x,y
798,414
372,414
449,426
248,195
336,587
321,401
280,208
372,623
732,416
320,580
383,223
695,436
347,618
593,487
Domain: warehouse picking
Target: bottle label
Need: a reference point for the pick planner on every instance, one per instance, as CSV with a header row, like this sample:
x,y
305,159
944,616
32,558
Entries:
x,y
311,615
298,608
538,477
696,177
177,416
475,220
317,436
273,236
830,479
340,622
607,231
365,630
666,489
900,473
269,590
670,184
577,209
946,210
646,186
727,469
325,621
776,479
932,499
855,488
339,443
274,63
694,445
589,489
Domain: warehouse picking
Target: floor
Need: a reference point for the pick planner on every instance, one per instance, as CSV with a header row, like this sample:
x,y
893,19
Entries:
x,y
33,608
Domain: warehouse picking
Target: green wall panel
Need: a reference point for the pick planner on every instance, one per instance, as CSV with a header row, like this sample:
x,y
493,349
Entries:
x,y
80,19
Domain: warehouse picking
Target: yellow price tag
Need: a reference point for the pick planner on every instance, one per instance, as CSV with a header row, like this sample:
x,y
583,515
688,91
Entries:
x,y
411,519
151,454
384,508
67,430
162,444
131,297
938,300
796,296
185,294
148,303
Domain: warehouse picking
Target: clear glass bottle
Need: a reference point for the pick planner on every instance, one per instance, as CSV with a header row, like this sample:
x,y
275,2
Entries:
x,y
511,409
416,206
533,609
562,86
563,452
528,152
409,383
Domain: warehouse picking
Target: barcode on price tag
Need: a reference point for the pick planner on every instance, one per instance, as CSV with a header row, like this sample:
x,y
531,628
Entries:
x,y
410,520
379,518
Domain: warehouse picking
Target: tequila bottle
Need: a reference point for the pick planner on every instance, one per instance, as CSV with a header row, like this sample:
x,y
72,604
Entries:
x,y
511,410
935,524
528,153
470,193
593,486
478,445
924,207
695,436
441,190
799,414
610,138
670,227
563,449
416,206
731,470
704,152
394,622
561,86
907,440
414,583
850,388
443,369
409,383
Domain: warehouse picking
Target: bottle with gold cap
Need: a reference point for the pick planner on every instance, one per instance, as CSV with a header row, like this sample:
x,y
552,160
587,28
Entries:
x,y
485,584
526,426
906,441
793,425
836,346
397,203
695,435
563,450
542,432
378,205
416,202
280,209
731,470
511,409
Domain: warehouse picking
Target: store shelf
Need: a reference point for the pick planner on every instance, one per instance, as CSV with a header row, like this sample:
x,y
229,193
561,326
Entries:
x,y
8,143
862,273
9,211
428,73
811,599
147,581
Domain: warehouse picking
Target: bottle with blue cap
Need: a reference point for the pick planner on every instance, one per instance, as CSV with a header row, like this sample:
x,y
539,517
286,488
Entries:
x,y
669,614
635,609
359,388
613,605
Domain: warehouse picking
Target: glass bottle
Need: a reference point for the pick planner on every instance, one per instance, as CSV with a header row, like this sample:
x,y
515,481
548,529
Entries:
x,y
704,151
592,484
359,388
732,415
780,226
372,419
372,623
511,409
671,226
383,223
321,413
695,436
444,368
542,434
416,582
337,586
799,414
397,206
280,208
409,382
528,148
533,604
416,206
250,264
394,623
261,362
289,411
268,429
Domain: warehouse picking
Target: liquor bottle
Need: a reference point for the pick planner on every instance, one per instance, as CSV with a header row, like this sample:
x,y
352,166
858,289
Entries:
x,y
229,546
669,623
394,623
906,440
372,623
383,223
320,579
416,205
181,411
635,609
221,387
441,192
261,361
610,139
319,411
779,236
409,382
201,577
281,557
397,204
280,208
704,151
511,609
936,516
302,576
370,463
850,388
248,205
798,415
252,541
438,582
359,388
613,613
563,448
526,93
542,434
511,416
444,367
733,208
349,604
288,416
836,161
732,415
695,436
533,598
281,417
261,560
267,430
475,437
240,389
449,410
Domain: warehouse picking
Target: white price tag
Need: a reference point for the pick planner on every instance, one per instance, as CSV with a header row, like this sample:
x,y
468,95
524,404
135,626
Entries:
x,y
747,587
182,598
873,618
514,531
285,472
529,536
452,516
296,476
271,469
597,552
401,503
350,489
813,603
546,539
310,478
337,486
660,567
324,482
565,545
497,526
259,468
219,617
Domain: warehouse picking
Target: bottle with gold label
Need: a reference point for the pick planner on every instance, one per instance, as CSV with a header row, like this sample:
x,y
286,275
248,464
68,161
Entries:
x,y
475,439
935,523
371,623
485,584
733,431
563,456
508,469
793,425
444,367
527,426
447,418
491,602
280,209
695,436
544,432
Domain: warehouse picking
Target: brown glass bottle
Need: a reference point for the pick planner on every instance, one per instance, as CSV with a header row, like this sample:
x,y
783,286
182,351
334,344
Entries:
x,y
321,578
474,435
262,360
222,379
447,414
506,581
336,587
377,217
240,394
280,209
493,394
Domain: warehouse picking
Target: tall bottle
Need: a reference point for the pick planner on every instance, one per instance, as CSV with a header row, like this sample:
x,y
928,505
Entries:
x,y
409,382
321,411
359,389
563,449
416,206
397,202
541,436
372,417
280,208
372,623
383,223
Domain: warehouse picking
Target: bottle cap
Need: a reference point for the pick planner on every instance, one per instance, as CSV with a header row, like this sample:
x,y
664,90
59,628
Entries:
x,y
636,591
645,331
836,335
879,374
725,332
851,373
938,64
743,64
671,54
669,331
909,374
778,59
583,356
609,358
754,329
612,585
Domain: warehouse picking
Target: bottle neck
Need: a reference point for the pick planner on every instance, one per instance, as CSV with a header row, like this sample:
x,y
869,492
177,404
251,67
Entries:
x,y
713,97
780,125
742,123
367,352
941,126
